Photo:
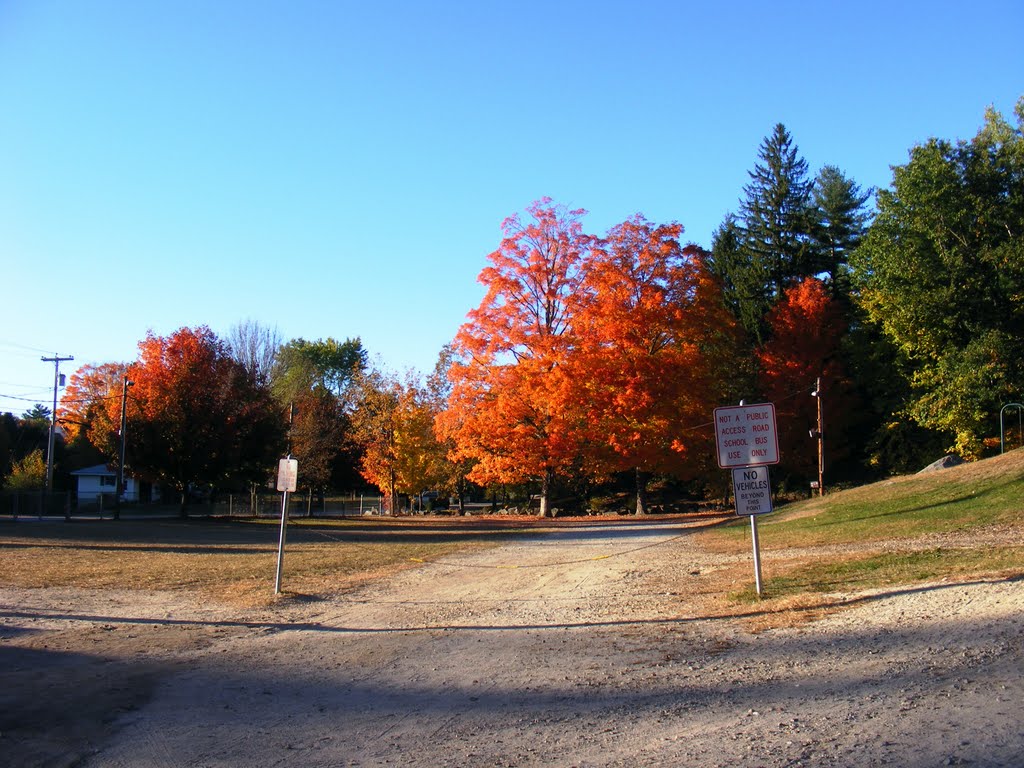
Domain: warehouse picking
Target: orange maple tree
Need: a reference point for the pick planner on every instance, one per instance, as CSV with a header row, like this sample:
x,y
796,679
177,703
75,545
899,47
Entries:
x,y
806,328
509,409
394,426
84,406
374,423
644,362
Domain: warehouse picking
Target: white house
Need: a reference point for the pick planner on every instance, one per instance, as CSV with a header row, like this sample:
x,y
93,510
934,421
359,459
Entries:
x,y
101,481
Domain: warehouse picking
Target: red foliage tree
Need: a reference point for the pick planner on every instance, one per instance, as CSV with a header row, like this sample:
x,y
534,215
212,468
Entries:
x,y
84,407
196,417
806,328
509,409
643,362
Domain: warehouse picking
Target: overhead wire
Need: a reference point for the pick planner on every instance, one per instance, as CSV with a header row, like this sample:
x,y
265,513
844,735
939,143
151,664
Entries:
x,y
26,347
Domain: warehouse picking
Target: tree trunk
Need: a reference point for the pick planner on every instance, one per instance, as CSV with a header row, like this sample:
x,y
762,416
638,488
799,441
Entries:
x,y
545,491
392,495
641,492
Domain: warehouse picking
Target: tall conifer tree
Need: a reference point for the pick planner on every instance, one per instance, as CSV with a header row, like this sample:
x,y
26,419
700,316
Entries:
x,y
769,245
775,210
840,221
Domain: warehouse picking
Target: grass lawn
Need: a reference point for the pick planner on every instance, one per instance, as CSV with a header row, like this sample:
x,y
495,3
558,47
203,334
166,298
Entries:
x,y
878,535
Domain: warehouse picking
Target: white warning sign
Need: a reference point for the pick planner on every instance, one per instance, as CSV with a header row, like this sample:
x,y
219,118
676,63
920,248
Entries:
x,y
746,435
752,490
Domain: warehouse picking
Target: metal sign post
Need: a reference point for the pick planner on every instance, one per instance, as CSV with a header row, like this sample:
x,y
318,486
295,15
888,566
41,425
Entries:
x,y
748,441
752,492
757,556
287,481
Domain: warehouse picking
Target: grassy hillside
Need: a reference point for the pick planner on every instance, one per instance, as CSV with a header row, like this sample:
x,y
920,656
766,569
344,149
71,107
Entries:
x,y
958,523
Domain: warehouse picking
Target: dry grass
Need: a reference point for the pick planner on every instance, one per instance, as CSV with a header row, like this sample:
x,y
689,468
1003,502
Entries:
x,y
232,560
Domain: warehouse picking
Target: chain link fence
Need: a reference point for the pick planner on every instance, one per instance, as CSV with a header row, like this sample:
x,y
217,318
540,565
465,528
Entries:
x,y
37,504
268,504
258,503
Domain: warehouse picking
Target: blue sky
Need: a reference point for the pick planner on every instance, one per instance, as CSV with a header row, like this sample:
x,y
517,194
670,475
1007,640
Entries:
x,y
342,169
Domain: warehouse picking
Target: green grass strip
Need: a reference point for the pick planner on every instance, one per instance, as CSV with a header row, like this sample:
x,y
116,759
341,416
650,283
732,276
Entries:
x,y
890,569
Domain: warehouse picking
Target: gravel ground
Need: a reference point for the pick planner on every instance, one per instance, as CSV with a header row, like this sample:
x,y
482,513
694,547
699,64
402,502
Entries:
x,y
587,646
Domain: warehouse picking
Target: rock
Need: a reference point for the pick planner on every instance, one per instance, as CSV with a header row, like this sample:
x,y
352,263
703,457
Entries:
x,y
944,463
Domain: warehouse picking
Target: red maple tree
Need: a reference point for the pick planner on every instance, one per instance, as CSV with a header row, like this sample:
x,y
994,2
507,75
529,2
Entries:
x,y
643,362
806,329
508,409
196,417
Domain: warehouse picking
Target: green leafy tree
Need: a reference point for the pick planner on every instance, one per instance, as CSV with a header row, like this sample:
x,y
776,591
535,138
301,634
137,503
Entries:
x,y
744,289
318,379
775,211
20,438
28,473
302,365
8,438
941,270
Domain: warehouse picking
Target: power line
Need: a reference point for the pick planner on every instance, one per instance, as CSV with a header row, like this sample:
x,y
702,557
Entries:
x,y
63,400
30,392
24,399
17,345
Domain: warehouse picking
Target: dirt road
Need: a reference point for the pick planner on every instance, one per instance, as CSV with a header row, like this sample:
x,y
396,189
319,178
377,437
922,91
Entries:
x,y
589,646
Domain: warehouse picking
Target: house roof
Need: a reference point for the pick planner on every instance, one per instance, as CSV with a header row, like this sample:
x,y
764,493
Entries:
x,y
99,470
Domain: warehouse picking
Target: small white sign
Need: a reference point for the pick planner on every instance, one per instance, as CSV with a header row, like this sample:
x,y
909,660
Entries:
x,y
752,490
287,474
746,435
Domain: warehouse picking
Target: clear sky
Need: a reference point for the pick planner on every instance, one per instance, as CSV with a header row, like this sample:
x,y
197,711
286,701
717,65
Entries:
x,y
342,169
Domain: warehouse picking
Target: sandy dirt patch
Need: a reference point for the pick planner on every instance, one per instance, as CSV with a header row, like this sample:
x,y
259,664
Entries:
x,y
586,646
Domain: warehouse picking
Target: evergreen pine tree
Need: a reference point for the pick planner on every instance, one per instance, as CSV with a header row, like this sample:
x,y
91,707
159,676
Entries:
x,y
743,277
768,247
840,221
775,213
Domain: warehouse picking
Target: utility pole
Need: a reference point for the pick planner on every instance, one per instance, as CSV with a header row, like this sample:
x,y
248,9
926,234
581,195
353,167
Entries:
x,y
125,383
820,435
56,360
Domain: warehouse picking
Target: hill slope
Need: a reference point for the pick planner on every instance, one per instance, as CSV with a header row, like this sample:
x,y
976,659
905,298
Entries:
x,y
952,524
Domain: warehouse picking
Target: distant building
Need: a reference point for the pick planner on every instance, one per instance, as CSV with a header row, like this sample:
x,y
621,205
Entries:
x,y
98,485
